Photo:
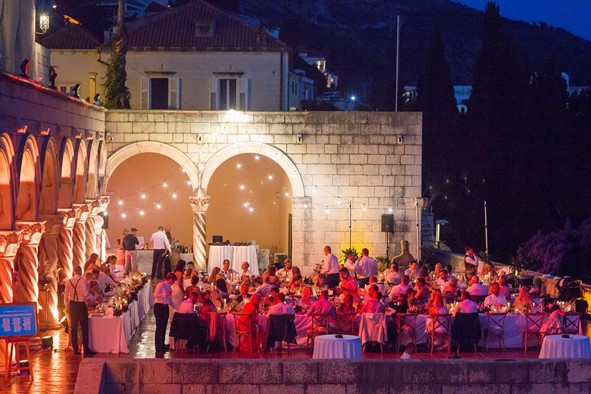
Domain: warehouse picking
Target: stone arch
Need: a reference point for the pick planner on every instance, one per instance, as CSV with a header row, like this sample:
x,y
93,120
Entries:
x,y
65,184
29,179
175,154
297,185
102,167
80,172
48,198
92,177
7,183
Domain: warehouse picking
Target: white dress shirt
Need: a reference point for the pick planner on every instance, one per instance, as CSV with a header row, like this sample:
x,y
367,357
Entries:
x,y
398,290
280,309
187,306
366,267
104,280
76,290
477,289
330,264
466,306
163,293
160,241
350,265
285,274
492,300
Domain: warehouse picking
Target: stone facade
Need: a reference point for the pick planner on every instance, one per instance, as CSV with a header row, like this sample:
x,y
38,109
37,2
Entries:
x,y
371,159
333,376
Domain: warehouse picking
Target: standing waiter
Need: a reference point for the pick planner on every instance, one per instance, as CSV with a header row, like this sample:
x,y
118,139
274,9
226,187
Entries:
x,y
75,296
162,300
129,242
161,245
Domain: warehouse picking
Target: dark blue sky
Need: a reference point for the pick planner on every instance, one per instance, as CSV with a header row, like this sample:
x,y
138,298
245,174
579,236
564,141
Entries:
x,y
572,15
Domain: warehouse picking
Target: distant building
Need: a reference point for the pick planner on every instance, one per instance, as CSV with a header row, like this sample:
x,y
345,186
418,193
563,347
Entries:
x,y
193,57
301,88
318,61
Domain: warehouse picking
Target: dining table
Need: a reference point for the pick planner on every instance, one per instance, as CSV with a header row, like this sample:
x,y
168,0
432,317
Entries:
x,y
566,346
341,347
235,253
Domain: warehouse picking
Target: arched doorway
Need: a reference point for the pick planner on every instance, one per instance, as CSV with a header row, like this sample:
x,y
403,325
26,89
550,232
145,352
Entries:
x,y
26,202
6,179
48,202
65,182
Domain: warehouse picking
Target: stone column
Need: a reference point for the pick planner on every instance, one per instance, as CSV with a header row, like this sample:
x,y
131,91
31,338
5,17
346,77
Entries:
x,y
302,233
91,244
9,244
79,235
65,245
28,261
101,236
48,265
199,206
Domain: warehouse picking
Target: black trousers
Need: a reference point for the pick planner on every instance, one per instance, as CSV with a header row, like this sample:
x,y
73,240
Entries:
x,y
79,316
167,266
161,315
333,280
157,263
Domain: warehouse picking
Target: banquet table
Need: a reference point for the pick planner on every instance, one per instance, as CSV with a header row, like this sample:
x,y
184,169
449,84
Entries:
x,y
347,347
145,257
111,334
236,255
566,346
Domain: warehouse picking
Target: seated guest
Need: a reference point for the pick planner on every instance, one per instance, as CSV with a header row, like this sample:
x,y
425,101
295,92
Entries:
x,y
320,283
95,295
523,302
476,289
244,295
495,298
111,263
393,275
264,289
280,307
424,273
286,273
374,281
322,306
222,285
250,312
489,269
423,293
449,269
92,263
188,305
216,297
348,284
228,273
194,286
436,273
306,301
244,270
270,275
206,305
372,304
213,275
187,276
401,289
554,324
413,270
436,309
466,305
103,280
347,305
297,281
450,290
441,281
504,291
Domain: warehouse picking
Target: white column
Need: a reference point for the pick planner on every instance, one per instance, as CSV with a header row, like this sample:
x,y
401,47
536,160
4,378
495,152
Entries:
x,y
199,206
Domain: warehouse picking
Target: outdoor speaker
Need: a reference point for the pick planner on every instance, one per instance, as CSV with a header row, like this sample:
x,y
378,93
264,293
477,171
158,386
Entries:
x,y
387,223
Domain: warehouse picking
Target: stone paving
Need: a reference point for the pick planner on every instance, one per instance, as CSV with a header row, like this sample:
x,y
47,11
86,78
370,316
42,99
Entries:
x,y
55,371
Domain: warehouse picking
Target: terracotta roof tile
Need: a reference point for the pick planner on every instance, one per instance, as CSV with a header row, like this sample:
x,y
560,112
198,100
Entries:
x,y
70,37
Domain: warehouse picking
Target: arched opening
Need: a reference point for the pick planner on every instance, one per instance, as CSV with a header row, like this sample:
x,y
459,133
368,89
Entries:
x,y
65,191
80,174
91,188
251,200
102,167
149,190
26,201
6,156
48,199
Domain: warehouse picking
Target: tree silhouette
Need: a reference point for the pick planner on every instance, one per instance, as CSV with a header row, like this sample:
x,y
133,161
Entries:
x,y
117,94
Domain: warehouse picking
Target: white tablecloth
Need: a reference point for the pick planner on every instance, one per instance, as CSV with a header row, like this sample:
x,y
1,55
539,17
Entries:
x,y
236,255
329,347
575,346
112,334
144,259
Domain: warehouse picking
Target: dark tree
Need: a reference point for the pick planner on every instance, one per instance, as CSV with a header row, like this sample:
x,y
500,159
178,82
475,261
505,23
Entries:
x,y
117,94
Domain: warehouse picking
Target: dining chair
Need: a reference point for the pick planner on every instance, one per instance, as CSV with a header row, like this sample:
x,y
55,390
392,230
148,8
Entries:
x,y
465,330
281,329
244,327
320,326
372,328
533,327
406,324
440,327
495,326
572,323
345,323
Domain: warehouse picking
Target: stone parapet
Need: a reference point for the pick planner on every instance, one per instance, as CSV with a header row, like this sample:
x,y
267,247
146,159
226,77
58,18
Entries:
x,y
331,376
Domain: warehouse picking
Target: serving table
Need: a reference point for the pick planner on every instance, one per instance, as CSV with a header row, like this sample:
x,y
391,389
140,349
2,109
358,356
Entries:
x,y
236,255
566,346
342,347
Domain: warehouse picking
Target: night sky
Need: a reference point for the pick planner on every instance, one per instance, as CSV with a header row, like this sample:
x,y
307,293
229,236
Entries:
x,y
571,15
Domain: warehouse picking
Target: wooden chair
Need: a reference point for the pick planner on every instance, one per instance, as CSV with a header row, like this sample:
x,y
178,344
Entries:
x,y
281,328
244,328
406,323
495,326
440,326
345,323
466,330
320,326
372,328
572,323
12,351
533,327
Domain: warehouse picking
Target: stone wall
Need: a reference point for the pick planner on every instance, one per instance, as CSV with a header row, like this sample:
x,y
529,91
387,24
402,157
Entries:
x,y
328,376
372,159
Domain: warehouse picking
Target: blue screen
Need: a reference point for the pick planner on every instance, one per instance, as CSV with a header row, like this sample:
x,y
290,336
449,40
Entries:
x,y
18,320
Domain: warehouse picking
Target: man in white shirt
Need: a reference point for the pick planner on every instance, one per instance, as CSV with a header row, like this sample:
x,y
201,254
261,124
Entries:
x,y
162,300
188,305
103,280
75,297
413,270
285,274
495,298
229,273
401,289
476,289
350,263
470,263
466,305
160,244
245,271
280,307
330,268
365,267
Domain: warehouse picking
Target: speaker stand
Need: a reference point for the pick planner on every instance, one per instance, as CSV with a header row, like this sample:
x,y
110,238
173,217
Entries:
x,y
388,246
